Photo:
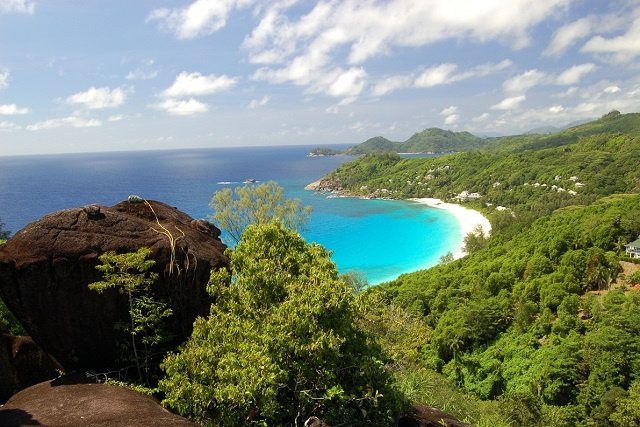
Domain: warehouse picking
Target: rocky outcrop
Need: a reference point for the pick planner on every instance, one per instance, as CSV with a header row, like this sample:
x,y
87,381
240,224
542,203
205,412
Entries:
x,y
22,364
68,401
45,269
325,185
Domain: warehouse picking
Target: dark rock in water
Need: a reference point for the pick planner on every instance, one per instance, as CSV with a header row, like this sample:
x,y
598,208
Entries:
x,y
45,269
68,401
22,364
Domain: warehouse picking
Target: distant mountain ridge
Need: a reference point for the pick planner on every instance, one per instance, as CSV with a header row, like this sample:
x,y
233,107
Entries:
x,y
431,140
440,141
552,129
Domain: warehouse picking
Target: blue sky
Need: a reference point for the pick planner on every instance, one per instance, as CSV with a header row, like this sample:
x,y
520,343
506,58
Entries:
x,y
135,75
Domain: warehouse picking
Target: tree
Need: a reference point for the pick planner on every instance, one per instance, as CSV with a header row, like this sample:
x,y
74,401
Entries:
x,y
130,274
280,344
4,234
446,258
475,240
256,204
627,411
634,278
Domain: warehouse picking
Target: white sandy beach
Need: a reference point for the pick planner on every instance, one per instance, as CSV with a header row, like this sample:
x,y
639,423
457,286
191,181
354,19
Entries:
x,y
468,218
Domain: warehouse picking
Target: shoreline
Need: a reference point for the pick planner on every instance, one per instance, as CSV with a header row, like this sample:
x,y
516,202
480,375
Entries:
x,y
466,217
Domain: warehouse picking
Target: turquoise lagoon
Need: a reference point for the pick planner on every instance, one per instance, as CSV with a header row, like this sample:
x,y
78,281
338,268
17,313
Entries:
x,y
378,238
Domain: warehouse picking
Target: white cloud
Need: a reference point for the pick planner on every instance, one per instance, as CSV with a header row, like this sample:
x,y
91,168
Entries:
x,y
437,75
621,49
449,110
12,109
369,29
451,113
301,48
341,83
102,97
556,109
6,126
201,17
567,35
482,117
567,93
611,89
144,72
573,75
115,118
194,84
451,119
18,6
4,79
255,103
182,107
71,121
523,82
509,103
391,84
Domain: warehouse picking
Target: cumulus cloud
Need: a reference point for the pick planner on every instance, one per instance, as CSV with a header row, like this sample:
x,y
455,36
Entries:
x,y
437,75
451,119
301,48
567,35
17,6
370,29
341,83
451,115
102,97
482,117
611,89
4,79
449,110
523,82
556,109
194,84
390,84
570,34
573,75
71,121
621,49
255,103
509,103
567,93
12,109
177,107
201,17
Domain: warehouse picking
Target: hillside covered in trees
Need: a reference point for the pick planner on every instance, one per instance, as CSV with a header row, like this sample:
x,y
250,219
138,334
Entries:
x,y
540,318
431,140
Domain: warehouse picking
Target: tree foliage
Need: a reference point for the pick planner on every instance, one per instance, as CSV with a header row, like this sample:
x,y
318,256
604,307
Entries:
x,y
281,343
130,274
4,234
537,317
256,204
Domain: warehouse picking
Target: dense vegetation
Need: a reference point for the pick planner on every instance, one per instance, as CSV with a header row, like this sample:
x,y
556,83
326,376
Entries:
x,y
523,317
281,343
537,326
529,183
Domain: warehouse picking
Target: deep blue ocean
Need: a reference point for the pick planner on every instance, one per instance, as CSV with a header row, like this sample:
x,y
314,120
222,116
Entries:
x,y
378,238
